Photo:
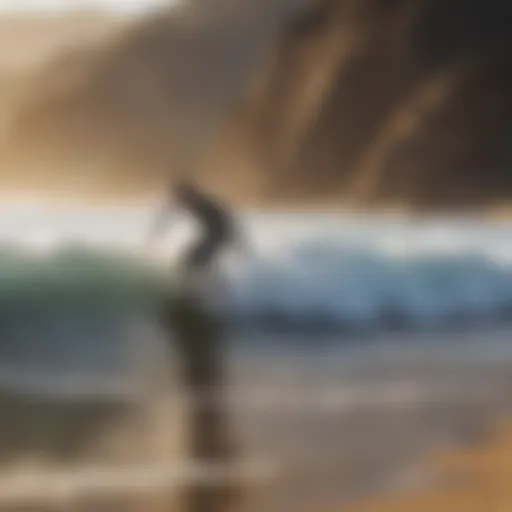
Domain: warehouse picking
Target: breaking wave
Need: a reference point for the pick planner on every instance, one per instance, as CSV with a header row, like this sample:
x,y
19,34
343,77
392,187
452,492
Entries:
x,y
75,284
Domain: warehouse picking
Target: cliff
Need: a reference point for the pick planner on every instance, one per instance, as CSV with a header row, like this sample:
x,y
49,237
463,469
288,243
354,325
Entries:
x,y
401,103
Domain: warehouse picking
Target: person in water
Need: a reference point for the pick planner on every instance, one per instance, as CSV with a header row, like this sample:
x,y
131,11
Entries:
x,y
217,226
218,231
198,333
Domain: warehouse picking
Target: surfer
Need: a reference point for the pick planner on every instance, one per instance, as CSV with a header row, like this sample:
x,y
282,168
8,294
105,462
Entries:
x,y
199,275
217,225
198,332
215,220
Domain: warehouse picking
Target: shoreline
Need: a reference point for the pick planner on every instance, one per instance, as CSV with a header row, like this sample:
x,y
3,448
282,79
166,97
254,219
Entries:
x,y
332,457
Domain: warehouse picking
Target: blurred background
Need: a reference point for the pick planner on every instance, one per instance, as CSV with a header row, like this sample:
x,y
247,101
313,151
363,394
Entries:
x,y
365,149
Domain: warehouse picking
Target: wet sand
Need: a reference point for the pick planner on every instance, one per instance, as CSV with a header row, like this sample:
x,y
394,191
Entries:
x,y
399,401
475,479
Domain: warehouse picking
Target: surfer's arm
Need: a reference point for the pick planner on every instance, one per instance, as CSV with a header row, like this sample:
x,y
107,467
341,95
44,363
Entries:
x,y
160,222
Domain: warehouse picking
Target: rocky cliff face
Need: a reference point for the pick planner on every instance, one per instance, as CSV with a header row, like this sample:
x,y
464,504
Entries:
x,y
402,103
362,103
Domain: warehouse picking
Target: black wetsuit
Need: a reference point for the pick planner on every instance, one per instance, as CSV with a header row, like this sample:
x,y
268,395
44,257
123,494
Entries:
x,y
216,223
198,333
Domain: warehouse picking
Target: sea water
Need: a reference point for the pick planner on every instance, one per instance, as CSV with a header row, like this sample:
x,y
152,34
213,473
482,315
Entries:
x,y
78,284
356,343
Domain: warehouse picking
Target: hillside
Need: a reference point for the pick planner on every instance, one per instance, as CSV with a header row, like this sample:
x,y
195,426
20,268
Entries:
x,y
360,102
399,103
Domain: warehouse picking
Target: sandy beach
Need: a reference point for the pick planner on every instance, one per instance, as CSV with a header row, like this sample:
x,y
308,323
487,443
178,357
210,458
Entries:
x,y
398,405
475,479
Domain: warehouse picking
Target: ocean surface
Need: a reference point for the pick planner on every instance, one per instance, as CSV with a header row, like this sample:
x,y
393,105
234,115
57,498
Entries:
x,y
80,287
357,344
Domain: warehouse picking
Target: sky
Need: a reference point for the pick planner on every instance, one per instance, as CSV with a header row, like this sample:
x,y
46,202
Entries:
x,y
122,6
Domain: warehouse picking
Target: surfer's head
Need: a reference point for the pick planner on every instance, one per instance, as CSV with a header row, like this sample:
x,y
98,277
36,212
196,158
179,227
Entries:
x,y
185,190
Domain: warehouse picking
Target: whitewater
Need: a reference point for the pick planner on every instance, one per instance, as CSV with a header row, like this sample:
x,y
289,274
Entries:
x,y
78,282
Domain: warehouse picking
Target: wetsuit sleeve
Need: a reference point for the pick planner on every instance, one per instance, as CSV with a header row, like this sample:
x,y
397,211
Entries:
x,y
160,221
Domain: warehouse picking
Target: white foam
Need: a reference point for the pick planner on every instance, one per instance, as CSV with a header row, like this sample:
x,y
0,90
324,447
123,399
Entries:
x,y
314,267
129,7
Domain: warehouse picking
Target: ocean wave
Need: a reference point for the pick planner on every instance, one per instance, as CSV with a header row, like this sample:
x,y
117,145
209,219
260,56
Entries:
x,y
73,300
369,290
74,308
